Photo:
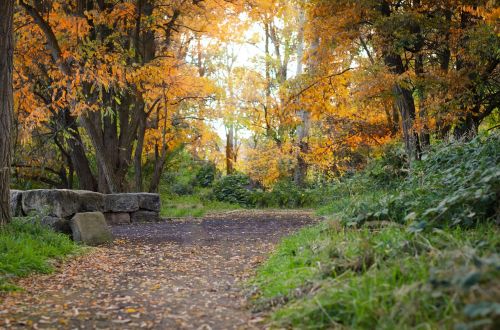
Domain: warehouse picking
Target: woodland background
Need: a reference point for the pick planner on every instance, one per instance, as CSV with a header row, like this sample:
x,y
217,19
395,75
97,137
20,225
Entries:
x,y
382,115
109,94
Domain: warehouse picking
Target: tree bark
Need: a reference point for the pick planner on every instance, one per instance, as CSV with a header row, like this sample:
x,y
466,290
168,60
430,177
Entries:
x,y
6,105
86,180
405,103
138,155
230,149
465,127
425,139
403,97
303,128
91,123
160,160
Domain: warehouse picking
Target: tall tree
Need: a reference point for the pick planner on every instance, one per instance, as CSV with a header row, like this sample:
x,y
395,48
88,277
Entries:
x,y
109,64
304,127
6,104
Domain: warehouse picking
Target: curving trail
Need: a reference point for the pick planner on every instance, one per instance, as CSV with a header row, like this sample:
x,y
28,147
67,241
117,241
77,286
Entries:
x,y
170,275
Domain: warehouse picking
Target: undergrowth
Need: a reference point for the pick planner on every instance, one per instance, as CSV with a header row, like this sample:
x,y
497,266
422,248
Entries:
x,y
26,247
387,278
457,184
196,206
404,248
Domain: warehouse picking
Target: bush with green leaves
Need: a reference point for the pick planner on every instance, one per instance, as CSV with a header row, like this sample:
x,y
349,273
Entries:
x,y
286,194
391,167
185,173
182,188
206,175
233,188
456,184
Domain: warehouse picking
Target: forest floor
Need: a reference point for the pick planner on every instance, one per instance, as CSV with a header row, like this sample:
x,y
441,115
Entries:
x,y
183,274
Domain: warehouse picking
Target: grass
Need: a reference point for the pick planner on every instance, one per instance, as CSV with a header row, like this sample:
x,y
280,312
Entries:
x,y
174,206
329,276
401,249
26,247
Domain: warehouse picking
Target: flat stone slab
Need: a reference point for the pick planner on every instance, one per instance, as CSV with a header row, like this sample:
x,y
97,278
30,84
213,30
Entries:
x,y
144,216
90,228
121,203
89,201
117,218
149,202
59,203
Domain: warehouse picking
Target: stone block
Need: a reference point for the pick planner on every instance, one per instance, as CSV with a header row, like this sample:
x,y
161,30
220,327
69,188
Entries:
x,y
60,203
16,206
59,225
117,218
121,203
90,228
90,201
144,216
149,202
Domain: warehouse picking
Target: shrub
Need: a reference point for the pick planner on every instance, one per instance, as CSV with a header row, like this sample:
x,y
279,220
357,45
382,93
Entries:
x,y
391,167
233,189
286,194
458,184
206,175
182,189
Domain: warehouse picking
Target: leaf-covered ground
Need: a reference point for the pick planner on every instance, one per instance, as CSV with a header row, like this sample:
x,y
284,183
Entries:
x,y
170,275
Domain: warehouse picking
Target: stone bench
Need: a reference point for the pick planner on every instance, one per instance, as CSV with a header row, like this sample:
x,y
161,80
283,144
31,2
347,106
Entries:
x,y
56,207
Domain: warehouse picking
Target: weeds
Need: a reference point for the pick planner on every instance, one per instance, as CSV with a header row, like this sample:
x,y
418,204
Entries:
x,y
27,247
388,278
420,252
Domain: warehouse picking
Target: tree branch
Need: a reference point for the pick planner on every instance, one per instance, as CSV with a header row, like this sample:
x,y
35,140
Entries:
x,y
52,43
305,89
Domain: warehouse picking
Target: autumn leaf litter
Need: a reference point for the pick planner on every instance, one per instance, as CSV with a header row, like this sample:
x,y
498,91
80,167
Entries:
x,y
183,274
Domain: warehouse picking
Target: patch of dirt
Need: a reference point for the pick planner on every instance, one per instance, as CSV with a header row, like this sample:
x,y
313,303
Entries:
x,y
170,275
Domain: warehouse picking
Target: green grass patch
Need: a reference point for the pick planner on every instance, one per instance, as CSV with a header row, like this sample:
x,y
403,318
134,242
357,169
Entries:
x,y
196,206
26,247
388,278
406,248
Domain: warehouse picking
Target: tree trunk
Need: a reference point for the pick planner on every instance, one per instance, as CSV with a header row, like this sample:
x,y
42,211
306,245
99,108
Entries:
x,y
467,126
138,155
403,97
102,184
6,105
425,139
230,150
303,128
91,123
405,103
267,102
86,180
160,160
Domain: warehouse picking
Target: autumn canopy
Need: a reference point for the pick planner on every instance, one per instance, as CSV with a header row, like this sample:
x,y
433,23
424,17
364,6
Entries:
x,y
106,93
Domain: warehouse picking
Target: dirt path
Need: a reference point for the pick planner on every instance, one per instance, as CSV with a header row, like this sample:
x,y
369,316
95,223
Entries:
x,y
170,275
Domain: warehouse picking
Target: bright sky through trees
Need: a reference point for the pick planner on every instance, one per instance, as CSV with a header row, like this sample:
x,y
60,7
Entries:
x,y
106,93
